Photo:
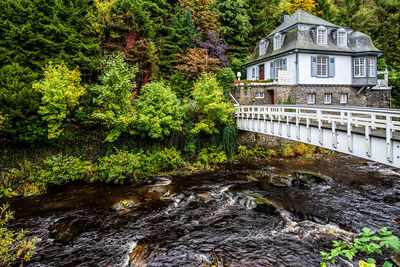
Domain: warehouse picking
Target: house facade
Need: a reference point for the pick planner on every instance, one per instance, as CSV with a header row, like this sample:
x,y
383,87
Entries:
x,y
308,60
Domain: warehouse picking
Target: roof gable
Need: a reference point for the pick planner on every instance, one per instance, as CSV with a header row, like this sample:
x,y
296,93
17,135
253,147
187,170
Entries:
x,y
302,17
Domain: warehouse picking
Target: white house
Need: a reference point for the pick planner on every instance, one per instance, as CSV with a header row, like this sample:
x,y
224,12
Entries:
x,y
313,61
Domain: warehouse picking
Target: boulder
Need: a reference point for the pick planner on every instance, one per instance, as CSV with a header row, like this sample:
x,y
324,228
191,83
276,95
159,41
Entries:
x,y
258,203
395,258
307,179
126,204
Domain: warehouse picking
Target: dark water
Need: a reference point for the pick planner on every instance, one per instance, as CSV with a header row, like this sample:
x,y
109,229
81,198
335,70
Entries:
x,y
185,220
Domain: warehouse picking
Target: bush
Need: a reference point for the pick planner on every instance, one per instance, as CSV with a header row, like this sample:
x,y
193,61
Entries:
x,y
229,140
168,159
14,247
226,78
212,155
287,151
61,90
158,111
244,153
123,165
63,169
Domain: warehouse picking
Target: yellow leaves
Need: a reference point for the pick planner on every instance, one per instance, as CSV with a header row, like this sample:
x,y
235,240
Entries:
x,y
61,90
362,263
306,5
104,9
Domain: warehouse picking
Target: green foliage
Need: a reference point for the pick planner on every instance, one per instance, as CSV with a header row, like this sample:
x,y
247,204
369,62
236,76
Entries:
x,y
60,91
14,246
369,242
19,102
209,111
181,85
287,151
212,155
235,25
34,32
113,97
244,153
168,159
159,112
125,166
230,140
226,78
63,169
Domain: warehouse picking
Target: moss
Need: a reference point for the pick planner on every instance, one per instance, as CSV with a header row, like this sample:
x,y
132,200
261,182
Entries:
x,y
263,205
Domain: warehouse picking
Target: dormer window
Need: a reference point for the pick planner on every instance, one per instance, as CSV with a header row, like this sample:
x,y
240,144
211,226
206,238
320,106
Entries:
x,y
277,41
342,37
322,37
262,47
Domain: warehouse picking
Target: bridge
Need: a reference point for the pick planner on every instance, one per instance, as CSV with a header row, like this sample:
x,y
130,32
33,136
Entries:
x,y
369,133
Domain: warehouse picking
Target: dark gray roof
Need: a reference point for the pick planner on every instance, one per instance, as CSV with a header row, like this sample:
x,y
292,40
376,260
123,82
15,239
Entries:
x,y
302,17
303,38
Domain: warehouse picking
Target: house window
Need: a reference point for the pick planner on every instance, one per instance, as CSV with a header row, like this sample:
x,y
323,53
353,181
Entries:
x,y
328,98
253,72
359,67
259,95
321,36
322,66
262,47
278,66
311,98
343,98
341,37
277,41
371,62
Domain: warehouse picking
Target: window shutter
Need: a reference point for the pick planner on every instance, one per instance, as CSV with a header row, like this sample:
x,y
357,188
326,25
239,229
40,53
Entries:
x,y
283,36
313,66
284,65
272,70
331,67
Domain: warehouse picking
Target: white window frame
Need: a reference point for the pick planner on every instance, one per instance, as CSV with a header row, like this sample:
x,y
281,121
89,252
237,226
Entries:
x,y
277,41
322,66
359,67
341,40
322,35
262,47
253,72
311,98
328,98
278,66
371,66
259,95
343,98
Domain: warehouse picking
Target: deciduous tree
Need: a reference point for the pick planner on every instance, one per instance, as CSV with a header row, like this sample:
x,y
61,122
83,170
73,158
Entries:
x,y
196,62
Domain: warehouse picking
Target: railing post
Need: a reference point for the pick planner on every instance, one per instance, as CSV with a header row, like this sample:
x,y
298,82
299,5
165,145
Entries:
x,y
298,123
334,135
279,121
319,119
367,140
349,133
308,129
389,148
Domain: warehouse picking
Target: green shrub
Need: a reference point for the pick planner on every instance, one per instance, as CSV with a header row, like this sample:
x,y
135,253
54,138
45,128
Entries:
x,y
226,78
168,159
14,247
123,166
369,242
212,155
244,153
63,169
259,152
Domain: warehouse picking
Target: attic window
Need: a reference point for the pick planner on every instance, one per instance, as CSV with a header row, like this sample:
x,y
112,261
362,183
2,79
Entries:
x,y
322,36
277,41
341,37
262,47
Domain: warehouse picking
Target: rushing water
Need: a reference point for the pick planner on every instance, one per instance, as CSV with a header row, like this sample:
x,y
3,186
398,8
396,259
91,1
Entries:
x,y
186,220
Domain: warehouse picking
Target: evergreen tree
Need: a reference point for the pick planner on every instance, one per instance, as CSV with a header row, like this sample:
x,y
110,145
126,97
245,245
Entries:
x,y
34,32
205,18
235,26
182,36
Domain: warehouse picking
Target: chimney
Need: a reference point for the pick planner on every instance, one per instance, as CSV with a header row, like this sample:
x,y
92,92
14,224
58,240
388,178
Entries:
x,y
285,18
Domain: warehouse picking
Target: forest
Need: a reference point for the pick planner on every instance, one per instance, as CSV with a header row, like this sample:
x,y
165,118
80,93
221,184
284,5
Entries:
x,y
87,78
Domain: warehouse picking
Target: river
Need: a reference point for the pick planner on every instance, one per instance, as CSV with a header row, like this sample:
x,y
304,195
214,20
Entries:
x,y
186,220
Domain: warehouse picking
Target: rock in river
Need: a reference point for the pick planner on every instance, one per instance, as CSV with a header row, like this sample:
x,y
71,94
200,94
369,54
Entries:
x,y
258,203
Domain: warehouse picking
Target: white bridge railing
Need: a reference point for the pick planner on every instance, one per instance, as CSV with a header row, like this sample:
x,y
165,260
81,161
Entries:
x,y
369,133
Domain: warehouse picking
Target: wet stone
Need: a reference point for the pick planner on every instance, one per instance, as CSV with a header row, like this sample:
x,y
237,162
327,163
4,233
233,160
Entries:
x,y
126,204
307,179
395,258
67,229
258,203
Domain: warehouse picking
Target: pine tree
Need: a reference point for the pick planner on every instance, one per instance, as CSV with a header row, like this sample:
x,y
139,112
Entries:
x,y
181,36
235,26
205,18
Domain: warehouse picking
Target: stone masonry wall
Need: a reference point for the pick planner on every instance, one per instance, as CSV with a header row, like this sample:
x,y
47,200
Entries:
x,y
246,95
